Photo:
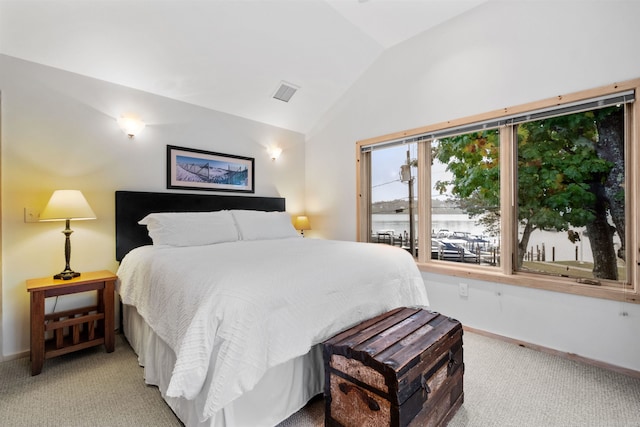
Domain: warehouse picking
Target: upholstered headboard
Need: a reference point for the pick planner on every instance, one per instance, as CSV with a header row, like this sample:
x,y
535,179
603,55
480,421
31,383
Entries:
x,y
132,206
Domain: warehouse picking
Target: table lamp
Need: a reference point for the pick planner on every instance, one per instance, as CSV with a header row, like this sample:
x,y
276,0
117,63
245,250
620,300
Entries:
x,y
302,223
67,205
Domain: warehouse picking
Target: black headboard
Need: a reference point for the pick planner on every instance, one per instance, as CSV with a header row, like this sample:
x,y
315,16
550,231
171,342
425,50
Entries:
x,y
132,206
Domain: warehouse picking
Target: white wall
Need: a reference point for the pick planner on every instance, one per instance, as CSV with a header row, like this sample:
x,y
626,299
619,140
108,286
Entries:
x,y
498,55
59,131
601,330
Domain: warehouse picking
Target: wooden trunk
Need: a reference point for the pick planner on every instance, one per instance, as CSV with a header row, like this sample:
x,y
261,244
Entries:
x,y
402,368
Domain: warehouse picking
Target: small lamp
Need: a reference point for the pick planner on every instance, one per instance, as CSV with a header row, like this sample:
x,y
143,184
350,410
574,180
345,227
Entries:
x,y
67,205
302,223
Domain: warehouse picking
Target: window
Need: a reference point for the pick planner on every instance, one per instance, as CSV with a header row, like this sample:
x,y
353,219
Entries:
x,y
538,195
571,195
394,214
465,198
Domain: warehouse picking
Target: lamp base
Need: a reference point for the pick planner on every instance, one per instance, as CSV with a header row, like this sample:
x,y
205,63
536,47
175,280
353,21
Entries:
x,y
66,275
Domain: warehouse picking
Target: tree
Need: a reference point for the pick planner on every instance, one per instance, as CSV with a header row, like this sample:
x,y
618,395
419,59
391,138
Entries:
x,y
474,160
569,170
610,146
572,177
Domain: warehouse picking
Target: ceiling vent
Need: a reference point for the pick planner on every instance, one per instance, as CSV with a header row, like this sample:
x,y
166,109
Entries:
x,y
285,91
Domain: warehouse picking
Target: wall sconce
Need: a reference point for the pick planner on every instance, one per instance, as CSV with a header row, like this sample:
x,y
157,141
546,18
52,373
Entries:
x,y
274,152
302,223
131,126
65,205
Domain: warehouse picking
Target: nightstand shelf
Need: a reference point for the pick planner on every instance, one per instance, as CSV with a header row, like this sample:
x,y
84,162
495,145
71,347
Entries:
x,y
85,327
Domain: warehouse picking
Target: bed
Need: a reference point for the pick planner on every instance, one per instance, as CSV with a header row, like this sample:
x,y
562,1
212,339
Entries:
x,y
226,305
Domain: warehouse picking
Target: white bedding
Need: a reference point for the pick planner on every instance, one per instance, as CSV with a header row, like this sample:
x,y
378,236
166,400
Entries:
x,y
248,306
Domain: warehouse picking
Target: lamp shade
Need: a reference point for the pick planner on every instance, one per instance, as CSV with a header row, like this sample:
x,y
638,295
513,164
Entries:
x,y
67,204
131,125
302,223
275,152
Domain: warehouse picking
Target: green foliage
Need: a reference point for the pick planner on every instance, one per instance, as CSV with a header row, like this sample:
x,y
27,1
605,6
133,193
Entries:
x,y
557,166
474,160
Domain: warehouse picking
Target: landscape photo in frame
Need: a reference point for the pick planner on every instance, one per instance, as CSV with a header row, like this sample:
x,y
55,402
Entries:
x,y
194,169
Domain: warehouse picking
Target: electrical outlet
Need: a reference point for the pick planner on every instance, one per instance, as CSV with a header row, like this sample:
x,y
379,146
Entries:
x,y
31,215
463,289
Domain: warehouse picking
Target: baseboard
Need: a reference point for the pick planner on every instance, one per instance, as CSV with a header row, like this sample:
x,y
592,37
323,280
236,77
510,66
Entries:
x,y
15,356
571,356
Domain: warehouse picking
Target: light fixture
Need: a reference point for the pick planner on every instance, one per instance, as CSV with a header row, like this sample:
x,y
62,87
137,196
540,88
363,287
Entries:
x,y
131,125
302,223
67,205
274,152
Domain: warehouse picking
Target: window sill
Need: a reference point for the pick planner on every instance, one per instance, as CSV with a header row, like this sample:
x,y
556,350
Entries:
x,y
555,284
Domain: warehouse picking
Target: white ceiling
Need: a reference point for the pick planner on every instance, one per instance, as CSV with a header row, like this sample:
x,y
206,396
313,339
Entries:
x,y
227,55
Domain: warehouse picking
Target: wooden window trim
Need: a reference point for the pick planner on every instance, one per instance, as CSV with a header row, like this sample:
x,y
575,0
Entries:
x,y
504,274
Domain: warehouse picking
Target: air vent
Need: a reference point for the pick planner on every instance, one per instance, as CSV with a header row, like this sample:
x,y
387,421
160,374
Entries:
x,y
285,91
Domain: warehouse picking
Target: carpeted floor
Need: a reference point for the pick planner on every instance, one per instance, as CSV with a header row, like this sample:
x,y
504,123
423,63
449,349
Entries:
x,y
504,385
85,388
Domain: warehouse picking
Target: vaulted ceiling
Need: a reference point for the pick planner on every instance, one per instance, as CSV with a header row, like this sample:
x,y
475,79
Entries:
x,y
226,55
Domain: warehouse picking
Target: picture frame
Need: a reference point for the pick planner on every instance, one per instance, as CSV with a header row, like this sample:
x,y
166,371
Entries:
x,y
193,169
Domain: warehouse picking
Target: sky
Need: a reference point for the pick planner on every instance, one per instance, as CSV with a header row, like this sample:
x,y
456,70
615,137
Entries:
x,y
385,173
211,162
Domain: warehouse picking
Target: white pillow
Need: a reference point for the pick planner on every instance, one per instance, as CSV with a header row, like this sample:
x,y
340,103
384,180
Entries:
x,y
260,225
190,228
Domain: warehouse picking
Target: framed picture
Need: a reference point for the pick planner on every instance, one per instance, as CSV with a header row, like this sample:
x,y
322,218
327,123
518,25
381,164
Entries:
x,y
191,169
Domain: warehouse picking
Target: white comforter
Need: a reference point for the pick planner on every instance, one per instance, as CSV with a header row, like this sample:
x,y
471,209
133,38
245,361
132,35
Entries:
x,y
248,306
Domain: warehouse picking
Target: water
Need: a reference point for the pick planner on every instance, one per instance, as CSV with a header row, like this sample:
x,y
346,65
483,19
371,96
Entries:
x,y
399,223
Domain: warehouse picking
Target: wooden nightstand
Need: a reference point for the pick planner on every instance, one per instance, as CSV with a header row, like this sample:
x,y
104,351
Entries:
x,y
86,326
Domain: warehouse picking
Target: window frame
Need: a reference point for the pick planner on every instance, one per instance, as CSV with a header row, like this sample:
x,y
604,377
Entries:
x,y
508,230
